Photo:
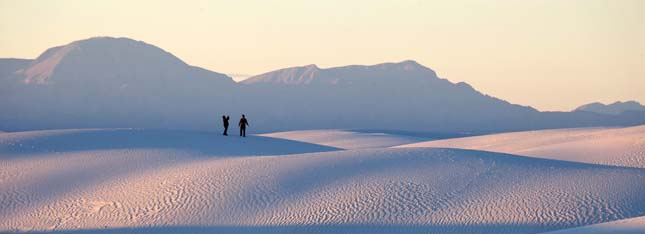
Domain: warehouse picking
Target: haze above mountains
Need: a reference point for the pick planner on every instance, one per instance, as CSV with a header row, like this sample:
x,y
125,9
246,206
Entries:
x,y
120,82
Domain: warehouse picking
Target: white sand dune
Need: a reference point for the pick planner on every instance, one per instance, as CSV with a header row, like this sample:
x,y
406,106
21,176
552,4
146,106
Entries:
x,y
623,226
609,146
78,140
143,181
348,139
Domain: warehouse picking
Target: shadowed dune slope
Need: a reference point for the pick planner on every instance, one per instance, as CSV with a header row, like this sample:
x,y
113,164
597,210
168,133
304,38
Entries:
x,y
198,143
348,139
624,226
408,190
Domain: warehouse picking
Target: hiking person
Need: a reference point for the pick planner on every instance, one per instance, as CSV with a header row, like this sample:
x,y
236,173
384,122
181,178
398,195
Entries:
x,y
225,120
243,123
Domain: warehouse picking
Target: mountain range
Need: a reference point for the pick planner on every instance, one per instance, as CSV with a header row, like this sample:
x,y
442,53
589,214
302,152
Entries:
x,y
120,82
615,108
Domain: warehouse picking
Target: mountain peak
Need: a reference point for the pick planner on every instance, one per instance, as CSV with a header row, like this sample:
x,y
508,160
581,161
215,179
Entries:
x,y
382,73
312,66
112,63
626,103
615,108
43,67
100,55
289,76
410,63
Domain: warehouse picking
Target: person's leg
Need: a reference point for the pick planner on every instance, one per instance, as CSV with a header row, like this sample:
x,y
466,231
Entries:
x,y
241,129
244,132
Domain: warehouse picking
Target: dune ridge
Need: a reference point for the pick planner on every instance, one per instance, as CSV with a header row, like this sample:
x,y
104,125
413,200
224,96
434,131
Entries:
x,y
608,146
146,188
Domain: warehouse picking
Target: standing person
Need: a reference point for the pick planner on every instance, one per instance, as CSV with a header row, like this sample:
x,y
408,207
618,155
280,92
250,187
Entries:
x,y
225,120
243,123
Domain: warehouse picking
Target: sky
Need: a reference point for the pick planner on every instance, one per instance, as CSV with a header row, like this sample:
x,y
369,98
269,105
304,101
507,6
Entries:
x,y
553,55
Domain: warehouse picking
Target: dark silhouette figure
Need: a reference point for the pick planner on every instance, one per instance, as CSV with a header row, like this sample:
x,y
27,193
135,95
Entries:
x,y
243,123
225,120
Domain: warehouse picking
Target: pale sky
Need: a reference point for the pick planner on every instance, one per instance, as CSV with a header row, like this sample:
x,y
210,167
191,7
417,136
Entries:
x,y
552,55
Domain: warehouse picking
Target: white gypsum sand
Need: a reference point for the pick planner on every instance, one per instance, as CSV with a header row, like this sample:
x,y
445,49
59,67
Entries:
x,y
151,181
609,146
347,139
623,226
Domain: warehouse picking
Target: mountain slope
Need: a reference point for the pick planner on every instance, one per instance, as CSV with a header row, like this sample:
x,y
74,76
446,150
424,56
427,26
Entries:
x,y
403,95
115,82
119,82
386,73
10,66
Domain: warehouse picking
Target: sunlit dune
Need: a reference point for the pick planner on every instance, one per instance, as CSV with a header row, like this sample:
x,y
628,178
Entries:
x,y
150,186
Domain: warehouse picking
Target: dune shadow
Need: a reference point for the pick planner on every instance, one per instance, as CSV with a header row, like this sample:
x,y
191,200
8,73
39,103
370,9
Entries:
x,y
415,134
331,228
205,143
327,176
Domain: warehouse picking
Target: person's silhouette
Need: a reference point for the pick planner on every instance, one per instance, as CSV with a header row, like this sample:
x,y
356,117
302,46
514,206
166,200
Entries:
x,y
243,123
225,120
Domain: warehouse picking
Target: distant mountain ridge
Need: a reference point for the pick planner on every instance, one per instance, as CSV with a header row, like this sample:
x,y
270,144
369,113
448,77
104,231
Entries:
x,y
615,108
111,82
405,71
398,95
103,55
120,82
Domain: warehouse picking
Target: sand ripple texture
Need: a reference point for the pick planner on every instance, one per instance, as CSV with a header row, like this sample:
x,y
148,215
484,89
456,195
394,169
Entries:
x,y
150,188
